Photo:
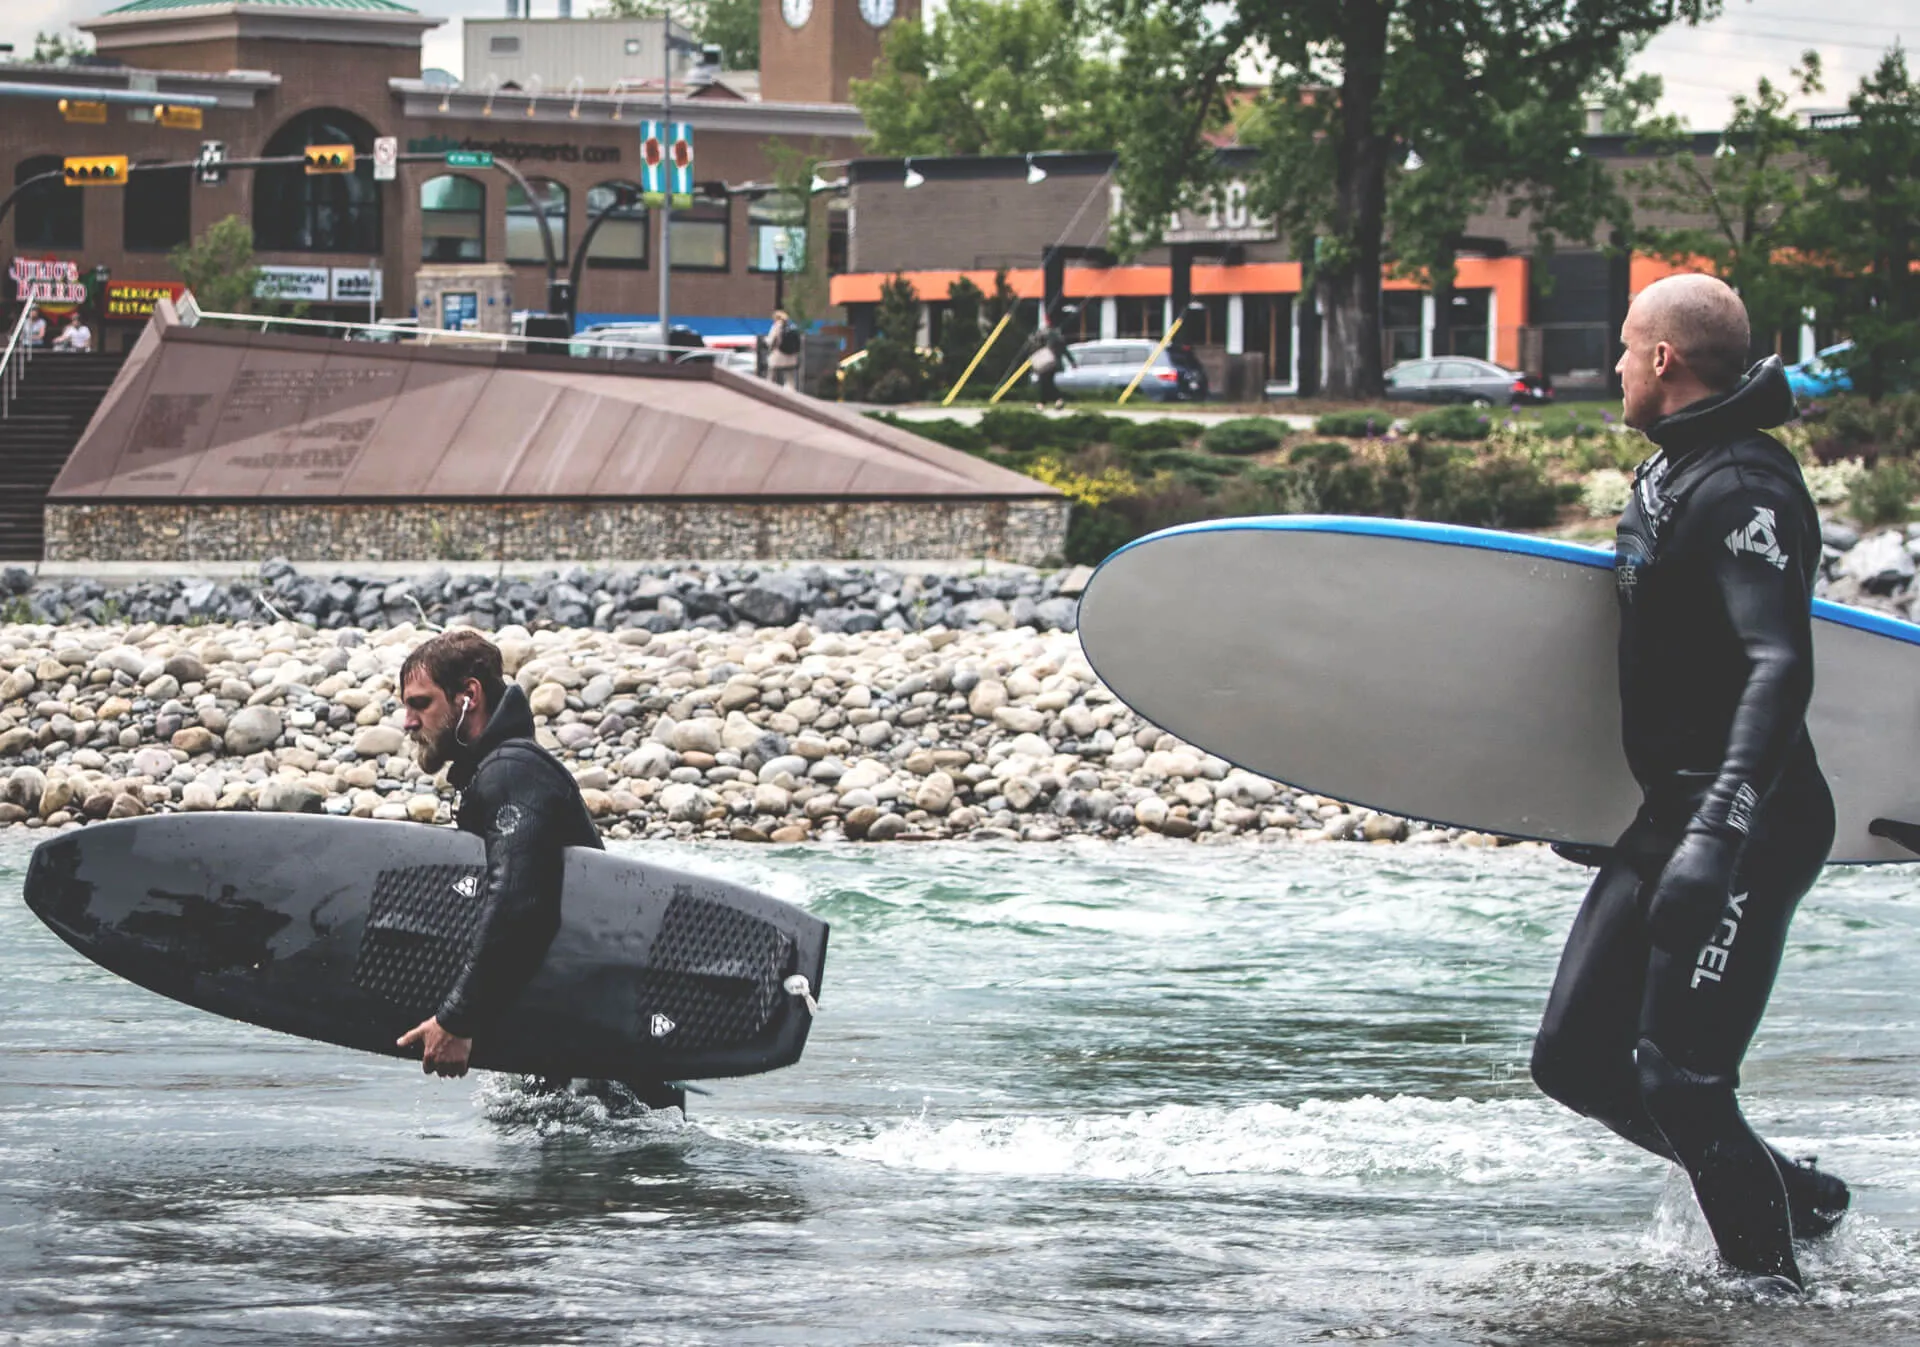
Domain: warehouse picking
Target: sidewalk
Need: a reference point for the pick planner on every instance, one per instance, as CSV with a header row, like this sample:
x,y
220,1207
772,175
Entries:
x,y
1181,411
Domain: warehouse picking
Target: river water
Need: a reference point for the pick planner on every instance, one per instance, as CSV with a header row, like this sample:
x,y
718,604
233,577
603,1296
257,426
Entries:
x,y
1130,1094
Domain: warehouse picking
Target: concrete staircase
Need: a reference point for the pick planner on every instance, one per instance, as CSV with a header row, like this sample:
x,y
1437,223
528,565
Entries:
x,y
57,397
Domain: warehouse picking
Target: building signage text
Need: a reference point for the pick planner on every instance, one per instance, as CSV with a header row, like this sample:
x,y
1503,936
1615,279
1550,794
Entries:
x,y
47,280
293,283
342,285
1225,219
136,299
517,150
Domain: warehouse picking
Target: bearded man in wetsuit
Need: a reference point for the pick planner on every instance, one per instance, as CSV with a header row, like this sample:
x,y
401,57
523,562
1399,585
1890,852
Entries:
x,y
518,799
1673,954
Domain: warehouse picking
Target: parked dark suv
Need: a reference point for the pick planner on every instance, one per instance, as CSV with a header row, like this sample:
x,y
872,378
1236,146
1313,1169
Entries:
x,y
1459,378
1103,369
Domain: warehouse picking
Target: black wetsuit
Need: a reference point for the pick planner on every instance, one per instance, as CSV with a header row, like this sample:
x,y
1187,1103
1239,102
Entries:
x,y
1674,952
525,806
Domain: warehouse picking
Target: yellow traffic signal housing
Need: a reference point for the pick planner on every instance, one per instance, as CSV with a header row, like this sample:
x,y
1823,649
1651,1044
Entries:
x,y
98,170
329,159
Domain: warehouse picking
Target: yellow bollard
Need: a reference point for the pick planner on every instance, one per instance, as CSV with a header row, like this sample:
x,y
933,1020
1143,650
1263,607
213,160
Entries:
x,y
978,356
1018,375
1141,373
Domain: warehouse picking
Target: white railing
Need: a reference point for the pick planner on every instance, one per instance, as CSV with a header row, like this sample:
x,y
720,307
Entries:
x,y
429,336
13,364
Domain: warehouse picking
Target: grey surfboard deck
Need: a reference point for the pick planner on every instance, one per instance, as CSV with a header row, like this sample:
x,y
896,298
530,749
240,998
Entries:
x,y
1461,676
351,931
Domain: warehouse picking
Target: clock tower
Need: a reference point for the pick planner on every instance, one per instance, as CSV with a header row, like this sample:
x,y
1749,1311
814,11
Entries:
x,y
811,50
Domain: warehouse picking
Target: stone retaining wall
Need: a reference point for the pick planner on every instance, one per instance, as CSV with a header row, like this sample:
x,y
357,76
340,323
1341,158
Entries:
x,y
1030,532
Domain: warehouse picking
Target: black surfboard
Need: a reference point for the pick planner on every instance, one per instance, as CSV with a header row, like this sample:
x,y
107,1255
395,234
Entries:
x,y
351,932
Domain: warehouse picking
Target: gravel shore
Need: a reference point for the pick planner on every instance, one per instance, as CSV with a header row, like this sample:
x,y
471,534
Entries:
x,y
781,734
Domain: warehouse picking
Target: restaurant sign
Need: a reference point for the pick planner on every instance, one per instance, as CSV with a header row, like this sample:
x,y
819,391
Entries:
x,y
135,300
49,281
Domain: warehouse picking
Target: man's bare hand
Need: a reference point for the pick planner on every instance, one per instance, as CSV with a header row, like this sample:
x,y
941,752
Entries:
x,y
442,1053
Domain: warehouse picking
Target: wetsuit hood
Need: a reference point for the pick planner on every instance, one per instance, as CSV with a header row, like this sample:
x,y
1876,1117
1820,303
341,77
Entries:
x,y
512,719
1763,400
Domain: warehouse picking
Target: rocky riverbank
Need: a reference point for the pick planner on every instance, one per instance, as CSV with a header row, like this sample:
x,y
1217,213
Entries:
x,y
656,598
782,734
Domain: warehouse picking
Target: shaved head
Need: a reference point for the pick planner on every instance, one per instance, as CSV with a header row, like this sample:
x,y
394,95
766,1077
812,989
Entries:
x,y
1687,337
1704,320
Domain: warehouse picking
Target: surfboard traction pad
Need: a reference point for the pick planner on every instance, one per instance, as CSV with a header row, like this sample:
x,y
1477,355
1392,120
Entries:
x,y
715,972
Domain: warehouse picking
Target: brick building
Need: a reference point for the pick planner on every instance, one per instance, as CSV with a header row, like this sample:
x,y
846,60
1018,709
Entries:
x,y
283,74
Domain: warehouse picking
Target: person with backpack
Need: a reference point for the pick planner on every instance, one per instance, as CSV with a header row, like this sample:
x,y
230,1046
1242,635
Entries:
x,y
1050,356
783,350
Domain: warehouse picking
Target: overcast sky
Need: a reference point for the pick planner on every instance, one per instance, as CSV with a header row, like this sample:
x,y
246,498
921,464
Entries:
x,y
1702,66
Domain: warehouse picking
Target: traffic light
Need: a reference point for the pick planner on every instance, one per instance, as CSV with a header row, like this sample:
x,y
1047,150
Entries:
x,y
329,159
97,170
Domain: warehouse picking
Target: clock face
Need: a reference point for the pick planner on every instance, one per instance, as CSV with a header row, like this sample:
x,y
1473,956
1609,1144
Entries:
x,y
797,12
877,12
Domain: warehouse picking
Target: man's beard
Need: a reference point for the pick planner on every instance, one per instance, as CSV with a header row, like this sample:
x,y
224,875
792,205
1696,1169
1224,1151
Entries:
x,y
435,752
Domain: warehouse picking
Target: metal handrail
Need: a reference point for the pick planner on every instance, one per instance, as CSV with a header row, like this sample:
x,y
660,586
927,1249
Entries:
x,y
19,354
428,335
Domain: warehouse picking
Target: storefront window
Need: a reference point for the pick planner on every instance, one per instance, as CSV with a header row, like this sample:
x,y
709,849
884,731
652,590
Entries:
x,y
453,212
1268,329
837,236
322,213
621,240
158,210
523,226
773,222
50,215
1140,316
700,235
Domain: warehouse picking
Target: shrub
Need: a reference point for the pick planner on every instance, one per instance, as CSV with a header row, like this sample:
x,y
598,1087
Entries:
x,y
945,430
1569,423
1203,471
1849,426
1498,491
1244,435
1082,428
1134,437
1018,429
1319,453
1831,483
1363,423
1452,423
1883,494
1605,491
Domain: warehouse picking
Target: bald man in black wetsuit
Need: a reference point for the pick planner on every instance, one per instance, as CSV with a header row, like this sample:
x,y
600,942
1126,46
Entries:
x,y
1673,954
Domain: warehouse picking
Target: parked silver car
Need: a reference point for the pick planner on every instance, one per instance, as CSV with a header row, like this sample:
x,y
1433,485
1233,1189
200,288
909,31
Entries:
x,y
1459,378
1103,369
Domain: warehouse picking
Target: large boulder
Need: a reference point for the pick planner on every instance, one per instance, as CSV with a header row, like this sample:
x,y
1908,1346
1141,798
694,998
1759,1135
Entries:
x,y
252,729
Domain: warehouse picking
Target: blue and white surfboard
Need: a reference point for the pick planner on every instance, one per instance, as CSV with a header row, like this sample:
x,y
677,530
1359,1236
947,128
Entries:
x,y
1462,676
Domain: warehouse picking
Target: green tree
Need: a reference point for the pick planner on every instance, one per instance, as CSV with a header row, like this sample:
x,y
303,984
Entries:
x,y
1356,82
891,368
1529,159
961,331
1863,228
992,77
1748,196
219,268
60,48
731,25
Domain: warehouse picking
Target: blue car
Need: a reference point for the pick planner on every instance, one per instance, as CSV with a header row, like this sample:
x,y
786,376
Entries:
x,y
1816,378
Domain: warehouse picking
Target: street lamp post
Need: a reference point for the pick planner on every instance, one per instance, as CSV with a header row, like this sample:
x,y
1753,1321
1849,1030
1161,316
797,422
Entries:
x,y
780,269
